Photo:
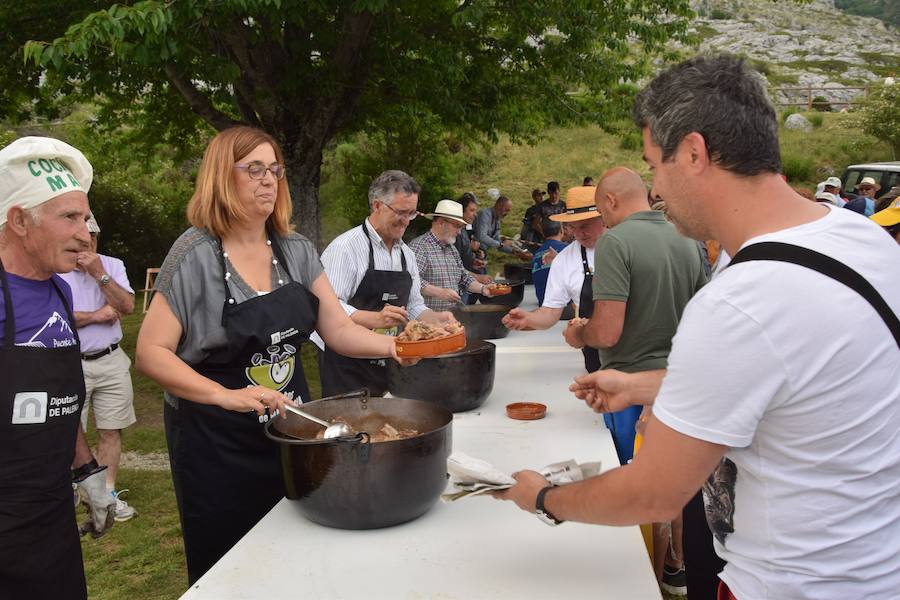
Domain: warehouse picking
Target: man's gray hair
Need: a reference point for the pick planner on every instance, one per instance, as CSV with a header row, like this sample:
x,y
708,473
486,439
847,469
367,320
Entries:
x,y
34,212
389,183
723,100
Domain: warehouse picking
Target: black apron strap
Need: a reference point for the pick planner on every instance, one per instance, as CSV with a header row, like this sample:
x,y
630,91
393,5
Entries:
x,y
9,332
778,251
69,312
584,262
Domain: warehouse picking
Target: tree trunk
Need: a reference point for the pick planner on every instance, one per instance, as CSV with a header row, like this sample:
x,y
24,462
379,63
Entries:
x,y
303,174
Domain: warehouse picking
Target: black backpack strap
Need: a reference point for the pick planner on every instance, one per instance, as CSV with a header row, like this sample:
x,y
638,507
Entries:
x,y
827,266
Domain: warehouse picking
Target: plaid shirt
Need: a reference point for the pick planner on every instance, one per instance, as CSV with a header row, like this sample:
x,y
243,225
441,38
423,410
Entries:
x,y
439,265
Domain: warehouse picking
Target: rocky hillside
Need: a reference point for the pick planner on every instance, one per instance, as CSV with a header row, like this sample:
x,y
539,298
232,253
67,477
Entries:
x,y
799,45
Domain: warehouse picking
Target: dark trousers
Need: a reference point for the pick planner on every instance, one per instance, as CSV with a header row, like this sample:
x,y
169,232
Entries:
x,y
701,563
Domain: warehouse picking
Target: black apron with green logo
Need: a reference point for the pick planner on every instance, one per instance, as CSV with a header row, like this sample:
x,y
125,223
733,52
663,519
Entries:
x,y
341,374
41,395
227,474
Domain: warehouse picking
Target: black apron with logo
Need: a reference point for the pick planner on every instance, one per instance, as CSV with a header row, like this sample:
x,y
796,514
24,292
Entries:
x,y
585,310
341,374
227,474
41,395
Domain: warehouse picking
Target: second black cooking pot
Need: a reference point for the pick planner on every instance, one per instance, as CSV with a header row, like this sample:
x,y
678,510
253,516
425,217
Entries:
x,y
457,382
482,321
518,271
354,483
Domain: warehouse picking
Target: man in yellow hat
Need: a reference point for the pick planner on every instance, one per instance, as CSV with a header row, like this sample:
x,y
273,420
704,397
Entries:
x,y
571,272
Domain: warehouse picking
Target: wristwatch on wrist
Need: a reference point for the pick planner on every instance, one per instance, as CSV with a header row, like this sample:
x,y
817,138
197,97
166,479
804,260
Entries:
x,y
104,280
542,513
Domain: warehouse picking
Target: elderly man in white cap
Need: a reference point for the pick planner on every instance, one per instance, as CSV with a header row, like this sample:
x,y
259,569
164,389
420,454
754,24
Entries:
x,y
101,294
832,185
43,231
441,270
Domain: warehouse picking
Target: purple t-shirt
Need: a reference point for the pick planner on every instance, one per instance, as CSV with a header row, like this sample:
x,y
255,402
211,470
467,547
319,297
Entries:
x,y
40,315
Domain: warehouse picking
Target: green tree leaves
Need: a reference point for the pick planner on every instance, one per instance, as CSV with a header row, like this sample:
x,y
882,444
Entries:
x,y
308,71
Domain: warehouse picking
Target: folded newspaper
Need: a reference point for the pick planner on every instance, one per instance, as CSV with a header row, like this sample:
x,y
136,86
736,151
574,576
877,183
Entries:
x,y
471,476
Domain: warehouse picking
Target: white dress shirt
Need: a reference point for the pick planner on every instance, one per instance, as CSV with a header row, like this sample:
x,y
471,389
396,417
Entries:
x,y
566,276
346,260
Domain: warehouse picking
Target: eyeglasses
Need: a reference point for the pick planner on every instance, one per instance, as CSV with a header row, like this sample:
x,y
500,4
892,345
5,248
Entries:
x,y
257,170
409,215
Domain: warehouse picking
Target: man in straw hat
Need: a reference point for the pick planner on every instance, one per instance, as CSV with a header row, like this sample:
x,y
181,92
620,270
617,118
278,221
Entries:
x,y
441,269
43,213
802,443
864,203
571,272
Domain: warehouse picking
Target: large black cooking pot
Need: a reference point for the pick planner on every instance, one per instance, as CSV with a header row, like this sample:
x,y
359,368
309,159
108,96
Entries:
x,y
482,321
518,271
512,299
352,483
457,382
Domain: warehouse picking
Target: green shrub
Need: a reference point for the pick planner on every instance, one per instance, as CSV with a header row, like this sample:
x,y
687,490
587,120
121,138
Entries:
x,y
821,104
631,140
719,14
797,168
412,140
816,119
788,112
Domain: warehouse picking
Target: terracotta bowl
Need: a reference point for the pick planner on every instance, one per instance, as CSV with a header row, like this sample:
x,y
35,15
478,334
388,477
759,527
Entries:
x,y
435,347
526,411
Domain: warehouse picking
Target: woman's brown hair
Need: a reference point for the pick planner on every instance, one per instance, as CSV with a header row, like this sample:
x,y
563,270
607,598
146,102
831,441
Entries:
x,y
214,205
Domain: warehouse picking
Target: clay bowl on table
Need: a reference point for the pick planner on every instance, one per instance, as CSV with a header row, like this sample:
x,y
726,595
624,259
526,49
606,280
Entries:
x,y
526,411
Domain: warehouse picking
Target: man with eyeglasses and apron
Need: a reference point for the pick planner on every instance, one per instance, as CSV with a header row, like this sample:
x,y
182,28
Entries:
x,y
374,274
43,215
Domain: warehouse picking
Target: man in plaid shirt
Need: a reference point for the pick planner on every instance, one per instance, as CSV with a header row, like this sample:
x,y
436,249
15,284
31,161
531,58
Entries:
x,y
440,268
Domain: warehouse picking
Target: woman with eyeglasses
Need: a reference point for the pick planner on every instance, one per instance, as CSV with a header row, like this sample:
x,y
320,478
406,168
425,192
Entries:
x,y
239,292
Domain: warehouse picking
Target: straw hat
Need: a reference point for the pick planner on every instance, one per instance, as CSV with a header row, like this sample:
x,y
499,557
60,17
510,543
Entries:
x,y
449,210
579,205
868,181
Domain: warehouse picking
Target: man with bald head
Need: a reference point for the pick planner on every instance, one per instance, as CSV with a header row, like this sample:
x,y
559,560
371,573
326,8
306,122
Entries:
x,y
43,231
645,273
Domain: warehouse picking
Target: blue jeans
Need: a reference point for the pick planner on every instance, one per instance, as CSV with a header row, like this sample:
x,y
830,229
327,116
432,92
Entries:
x,y
621,426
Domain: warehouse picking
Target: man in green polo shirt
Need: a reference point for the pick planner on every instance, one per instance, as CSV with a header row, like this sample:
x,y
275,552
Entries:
x,y
645,273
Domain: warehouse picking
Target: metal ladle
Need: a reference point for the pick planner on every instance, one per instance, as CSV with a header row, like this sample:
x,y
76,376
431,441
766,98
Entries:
x,y
332,430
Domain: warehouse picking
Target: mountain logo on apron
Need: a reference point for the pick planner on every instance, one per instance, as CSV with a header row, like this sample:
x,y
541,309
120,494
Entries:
x,y
274,372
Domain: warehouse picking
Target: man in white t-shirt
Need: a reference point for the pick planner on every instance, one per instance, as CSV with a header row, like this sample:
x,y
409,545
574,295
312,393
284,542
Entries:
x,y
802,444
571,271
